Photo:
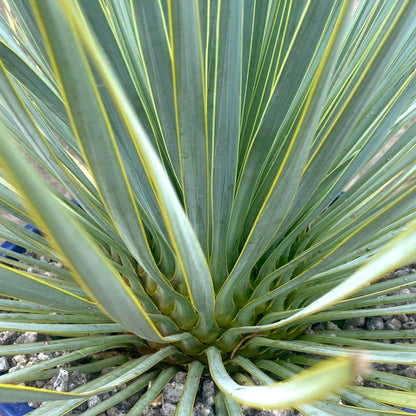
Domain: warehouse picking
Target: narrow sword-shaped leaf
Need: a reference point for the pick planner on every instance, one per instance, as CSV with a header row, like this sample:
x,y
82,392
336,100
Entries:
x,y
34,139
151,27
10,393
231,406
157,386
401,250
286,181
227,96
122,395
190,111
61,360
393,380
95,271
381,356
287,370
121,374
381,49
309,385
70,344
192,383
396,398
92,126
23,286
61,329
184,241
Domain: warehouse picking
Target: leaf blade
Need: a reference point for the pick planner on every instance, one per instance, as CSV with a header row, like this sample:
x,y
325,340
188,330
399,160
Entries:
x,y
309,385
96,272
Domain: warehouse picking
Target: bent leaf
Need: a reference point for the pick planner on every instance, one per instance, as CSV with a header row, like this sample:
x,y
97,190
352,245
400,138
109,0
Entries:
x,y
308,386
95,271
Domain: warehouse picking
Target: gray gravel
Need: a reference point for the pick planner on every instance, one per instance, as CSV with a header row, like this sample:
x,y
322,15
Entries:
x,y
204,404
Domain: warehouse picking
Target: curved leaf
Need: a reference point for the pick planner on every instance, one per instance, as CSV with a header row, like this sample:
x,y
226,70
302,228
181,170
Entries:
x,y
98,275
183,239
309,385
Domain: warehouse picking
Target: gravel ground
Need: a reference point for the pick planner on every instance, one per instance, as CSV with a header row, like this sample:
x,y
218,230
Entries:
x,y
204,405
64,381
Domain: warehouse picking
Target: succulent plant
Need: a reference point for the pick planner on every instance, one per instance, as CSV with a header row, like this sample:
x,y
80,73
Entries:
x,y
241,170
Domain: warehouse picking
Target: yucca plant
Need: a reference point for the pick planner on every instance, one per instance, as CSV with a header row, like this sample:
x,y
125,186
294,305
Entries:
x,y
206,145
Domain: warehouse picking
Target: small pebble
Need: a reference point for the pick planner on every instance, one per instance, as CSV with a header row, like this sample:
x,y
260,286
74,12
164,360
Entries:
x,y
76,379
43,356
180,377
375,323
4,365
19,360
354,322
168,409
330,326
409,372
60,381
7,337
393,324
411,324
151,411
208,392
202,410
172,393
401,272
93,401
113,411
402,318
27,338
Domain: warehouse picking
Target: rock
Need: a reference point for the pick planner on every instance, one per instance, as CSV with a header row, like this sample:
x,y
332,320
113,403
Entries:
x,y
202,410
356,322
76,379
172,392
26,338
8,337
4,365
44,356
309,331
401,272
168,409
180,377
247,411
391,368
409,372
402,318
330,326
34,405
375,323
59,382
410,324
151,411
93,401
208,392
113,411
19,360
393,324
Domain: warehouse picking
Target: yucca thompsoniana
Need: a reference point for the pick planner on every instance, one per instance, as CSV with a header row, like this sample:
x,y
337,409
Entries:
x,y
204,143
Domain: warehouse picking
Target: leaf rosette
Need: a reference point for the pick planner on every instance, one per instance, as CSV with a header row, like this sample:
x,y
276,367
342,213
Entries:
x,y
241,171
